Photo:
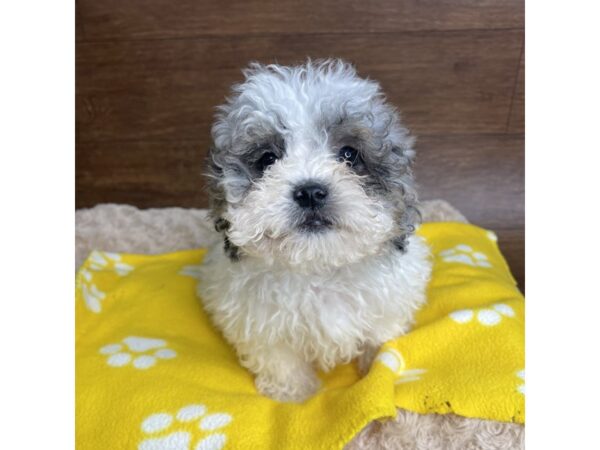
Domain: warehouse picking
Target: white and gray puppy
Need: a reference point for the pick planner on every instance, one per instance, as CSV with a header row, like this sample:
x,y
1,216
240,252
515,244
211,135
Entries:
x,y
312,189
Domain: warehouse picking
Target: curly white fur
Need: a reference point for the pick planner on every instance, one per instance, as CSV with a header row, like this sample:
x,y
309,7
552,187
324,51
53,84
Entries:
x,y
283,321
292,300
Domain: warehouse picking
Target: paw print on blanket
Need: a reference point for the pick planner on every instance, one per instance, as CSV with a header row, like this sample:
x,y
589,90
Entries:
x,y
486,316
119,355
393,360
464,254
521,375
208,426
99,261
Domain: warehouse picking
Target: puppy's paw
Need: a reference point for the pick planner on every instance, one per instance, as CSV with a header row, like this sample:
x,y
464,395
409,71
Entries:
x,y
297,387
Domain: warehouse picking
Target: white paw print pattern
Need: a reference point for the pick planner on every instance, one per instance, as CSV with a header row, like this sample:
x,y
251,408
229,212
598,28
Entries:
x,y
100,261
191,271
119,355
464,254
521,375
486,316
180,439
393,360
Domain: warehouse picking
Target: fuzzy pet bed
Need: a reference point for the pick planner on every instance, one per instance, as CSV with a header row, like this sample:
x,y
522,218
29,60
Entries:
x,y
127,229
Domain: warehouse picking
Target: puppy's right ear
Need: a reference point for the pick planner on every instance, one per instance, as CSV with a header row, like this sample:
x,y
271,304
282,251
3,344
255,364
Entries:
x,y
218,203
216,193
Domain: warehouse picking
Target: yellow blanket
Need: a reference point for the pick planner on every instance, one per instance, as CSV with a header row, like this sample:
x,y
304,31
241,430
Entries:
x,y
152,372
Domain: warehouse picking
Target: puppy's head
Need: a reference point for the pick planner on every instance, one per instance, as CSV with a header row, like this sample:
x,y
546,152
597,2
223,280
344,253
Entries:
x,y
310,167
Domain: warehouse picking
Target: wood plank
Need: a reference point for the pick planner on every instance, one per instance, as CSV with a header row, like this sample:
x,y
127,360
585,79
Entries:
x,y
142,19
481,175
144,174
79,33
443,82
512,246
516,119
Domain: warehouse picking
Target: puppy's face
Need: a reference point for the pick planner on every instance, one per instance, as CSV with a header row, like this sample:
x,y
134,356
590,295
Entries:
x,y
310,167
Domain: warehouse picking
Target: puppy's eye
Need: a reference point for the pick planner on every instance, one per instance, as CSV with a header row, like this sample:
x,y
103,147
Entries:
x,y
348,154
265,161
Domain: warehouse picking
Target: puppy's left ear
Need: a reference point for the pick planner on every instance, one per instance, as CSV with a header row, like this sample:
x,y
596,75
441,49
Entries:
x,y
408,216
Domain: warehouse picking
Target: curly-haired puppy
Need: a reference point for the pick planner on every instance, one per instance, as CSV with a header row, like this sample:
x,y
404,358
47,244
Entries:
x,y
312,189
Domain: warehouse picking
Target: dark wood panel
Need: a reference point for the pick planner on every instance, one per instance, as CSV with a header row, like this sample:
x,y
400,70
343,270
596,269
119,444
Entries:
x,y
138,19
79,34
144,174
516,118
481,175
512,245
443,82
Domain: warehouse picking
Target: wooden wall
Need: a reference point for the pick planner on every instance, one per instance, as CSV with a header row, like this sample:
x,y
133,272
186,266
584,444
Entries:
x,y
150,72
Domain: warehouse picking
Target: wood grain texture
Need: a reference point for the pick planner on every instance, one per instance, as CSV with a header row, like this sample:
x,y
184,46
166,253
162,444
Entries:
x,y
79,33
144,174
516,118
512,245
481,175
451,82
144,19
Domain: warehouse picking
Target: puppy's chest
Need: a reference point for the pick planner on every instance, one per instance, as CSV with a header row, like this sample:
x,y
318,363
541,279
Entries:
x,y
371,302
340,301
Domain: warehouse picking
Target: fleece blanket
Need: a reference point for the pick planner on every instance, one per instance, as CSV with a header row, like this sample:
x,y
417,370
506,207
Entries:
x,y
152,373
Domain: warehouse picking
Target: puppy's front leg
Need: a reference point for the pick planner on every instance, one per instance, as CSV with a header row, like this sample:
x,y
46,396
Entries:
x,y
283,375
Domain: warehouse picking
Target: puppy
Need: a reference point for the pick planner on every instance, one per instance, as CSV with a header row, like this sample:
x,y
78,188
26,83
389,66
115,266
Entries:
x,y
312,190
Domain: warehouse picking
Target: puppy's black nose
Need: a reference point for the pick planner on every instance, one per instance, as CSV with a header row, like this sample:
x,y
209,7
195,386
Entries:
x,y
310,195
